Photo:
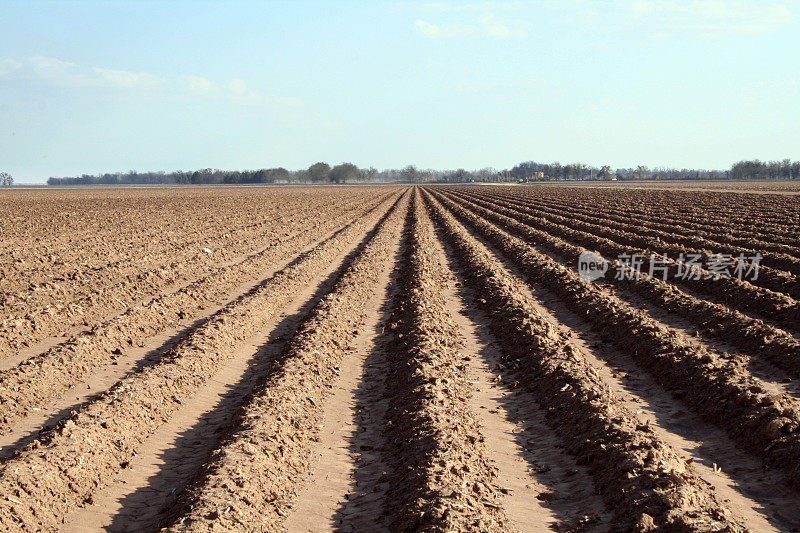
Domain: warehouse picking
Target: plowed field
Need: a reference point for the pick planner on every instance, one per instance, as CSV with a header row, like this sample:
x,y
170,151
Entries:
x,y
396,358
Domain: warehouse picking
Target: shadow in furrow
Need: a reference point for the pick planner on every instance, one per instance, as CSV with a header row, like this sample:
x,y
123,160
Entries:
x,y
568,488
361,508
763,493
150,358
182,463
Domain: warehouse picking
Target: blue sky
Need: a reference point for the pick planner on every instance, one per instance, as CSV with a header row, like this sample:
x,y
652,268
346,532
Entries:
x,y
89,87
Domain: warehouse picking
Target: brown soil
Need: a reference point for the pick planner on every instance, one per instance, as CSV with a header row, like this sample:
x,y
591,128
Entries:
x,y
395,359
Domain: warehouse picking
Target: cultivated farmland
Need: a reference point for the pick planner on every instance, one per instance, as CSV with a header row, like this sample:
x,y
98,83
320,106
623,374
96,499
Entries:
x,y
396,358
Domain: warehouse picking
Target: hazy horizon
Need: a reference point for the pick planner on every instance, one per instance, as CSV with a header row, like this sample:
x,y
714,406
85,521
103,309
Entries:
x,y
89,87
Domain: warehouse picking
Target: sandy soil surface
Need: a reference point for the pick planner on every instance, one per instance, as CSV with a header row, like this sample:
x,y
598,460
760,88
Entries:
x,y
791,187
396,359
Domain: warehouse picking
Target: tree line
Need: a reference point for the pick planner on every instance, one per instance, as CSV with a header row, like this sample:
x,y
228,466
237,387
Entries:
x,y
322,173
762,170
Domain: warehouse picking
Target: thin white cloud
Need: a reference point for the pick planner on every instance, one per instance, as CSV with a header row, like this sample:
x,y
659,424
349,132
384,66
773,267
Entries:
x,y
704,19
124,78
446,31
712,18
52,67
64,73
239,92
8,65
201,86
497,29
487,25
238,87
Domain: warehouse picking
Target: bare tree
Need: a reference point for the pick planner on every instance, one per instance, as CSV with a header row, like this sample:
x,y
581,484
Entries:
x,y
410,173
6,180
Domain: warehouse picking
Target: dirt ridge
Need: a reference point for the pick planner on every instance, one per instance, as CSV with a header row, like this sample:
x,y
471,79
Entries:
x,y
252,476
720,389
61,469
442,478
752,335
641,478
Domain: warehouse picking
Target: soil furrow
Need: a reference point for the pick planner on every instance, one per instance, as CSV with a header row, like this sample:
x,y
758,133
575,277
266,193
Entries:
x,y
641,478
776,260
739,295
750,335
346,484
400,358
441,477
720,389
253,476
758,498
141,494
669,225
61,470
769,285
542,487
58,309
689,210
57,369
